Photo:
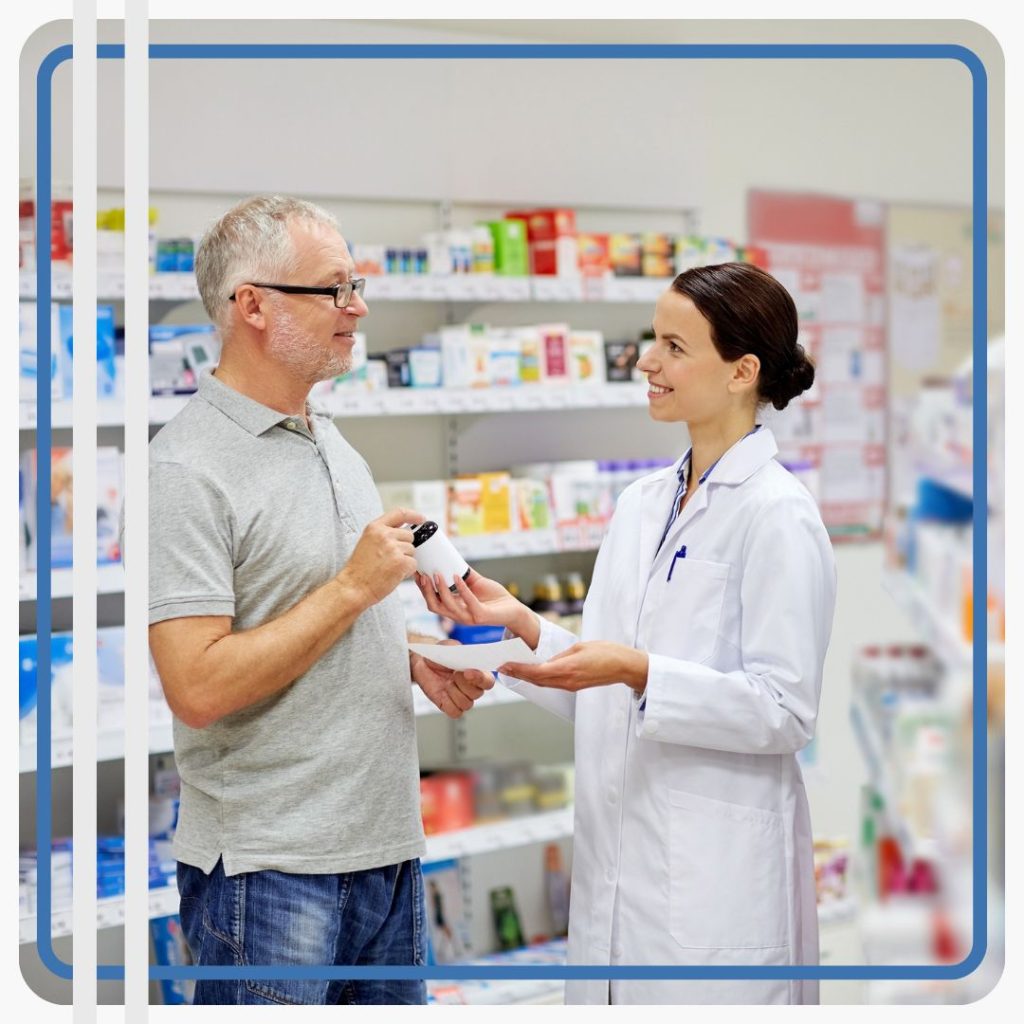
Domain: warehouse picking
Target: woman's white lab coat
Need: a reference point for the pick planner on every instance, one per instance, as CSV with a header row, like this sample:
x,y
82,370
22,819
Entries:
x,y
692,836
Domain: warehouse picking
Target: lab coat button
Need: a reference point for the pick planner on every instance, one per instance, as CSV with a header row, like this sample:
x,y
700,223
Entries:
x,y
609,876
617,952
612,796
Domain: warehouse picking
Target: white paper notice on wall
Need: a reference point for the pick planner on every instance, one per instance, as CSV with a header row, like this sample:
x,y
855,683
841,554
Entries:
x,y
842,299
916,309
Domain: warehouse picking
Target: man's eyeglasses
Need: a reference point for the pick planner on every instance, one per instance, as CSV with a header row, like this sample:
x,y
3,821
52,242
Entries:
x,y
341,293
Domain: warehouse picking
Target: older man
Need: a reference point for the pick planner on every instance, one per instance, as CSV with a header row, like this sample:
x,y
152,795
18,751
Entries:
x,y
279,639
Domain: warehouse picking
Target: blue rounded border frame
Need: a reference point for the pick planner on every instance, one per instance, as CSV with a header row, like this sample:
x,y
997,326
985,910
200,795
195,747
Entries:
x,y
979,79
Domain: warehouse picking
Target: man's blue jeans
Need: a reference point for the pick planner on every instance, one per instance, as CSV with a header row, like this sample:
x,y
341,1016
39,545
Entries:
x,y
269,917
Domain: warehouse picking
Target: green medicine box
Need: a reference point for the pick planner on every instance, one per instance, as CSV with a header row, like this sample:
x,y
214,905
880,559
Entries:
x,y
511,254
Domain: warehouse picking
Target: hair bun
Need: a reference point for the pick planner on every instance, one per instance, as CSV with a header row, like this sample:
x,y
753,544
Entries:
x,y
797,378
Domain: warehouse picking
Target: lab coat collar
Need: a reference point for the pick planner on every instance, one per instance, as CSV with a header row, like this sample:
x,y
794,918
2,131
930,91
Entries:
x,y
745,458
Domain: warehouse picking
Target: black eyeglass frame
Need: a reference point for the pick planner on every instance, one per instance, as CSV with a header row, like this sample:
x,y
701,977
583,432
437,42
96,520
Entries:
x,y
341,293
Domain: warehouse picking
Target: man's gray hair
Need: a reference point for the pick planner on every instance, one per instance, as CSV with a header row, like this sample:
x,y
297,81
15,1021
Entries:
x,y
250,243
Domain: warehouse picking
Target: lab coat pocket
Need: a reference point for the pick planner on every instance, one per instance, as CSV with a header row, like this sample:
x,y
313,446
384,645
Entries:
x,y
728,884
681,616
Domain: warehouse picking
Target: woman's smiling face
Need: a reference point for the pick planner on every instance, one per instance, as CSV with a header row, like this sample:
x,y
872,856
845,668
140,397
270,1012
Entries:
x,y
687,378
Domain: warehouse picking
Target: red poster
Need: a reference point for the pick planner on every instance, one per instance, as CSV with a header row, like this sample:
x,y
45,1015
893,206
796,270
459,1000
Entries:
x,y
830,255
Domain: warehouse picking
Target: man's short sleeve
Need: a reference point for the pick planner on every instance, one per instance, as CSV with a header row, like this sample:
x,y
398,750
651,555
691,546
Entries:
x,y
191,545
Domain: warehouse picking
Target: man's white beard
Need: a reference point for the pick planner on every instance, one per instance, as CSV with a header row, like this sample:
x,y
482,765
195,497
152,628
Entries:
x,y
308,360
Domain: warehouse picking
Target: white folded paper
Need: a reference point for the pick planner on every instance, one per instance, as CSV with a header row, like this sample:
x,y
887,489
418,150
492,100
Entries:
x,y
486,657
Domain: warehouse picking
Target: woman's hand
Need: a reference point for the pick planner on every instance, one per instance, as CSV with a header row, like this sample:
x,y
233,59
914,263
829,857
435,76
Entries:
x,y
479,602
595,663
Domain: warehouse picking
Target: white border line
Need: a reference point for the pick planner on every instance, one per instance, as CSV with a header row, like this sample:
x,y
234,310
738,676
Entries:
x,y
136,444
84,987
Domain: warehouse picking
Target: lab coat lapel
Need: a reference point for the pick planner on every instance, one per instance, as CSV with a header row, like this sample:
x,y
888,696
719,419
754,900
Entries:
x,y
656,501
691,510
742,460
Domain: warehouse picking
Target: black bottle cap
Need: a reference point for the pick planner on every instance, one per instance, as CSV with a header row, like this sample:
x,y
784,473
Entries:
x,y
423,533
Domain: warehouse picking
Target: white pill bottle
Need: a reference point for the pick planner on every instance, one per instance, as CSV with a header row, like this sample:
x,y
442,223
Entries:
x,y
435,553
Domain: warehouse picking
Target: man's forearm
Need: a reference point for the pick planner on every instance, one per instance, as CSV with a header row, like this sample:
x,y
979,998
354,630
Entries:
x,y
246,667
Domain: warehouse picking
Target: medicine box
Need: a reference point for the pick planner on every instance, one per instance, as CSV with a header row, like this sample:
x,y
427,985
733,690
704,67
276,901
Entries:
x,y
551,234
625,254
586,357
511,250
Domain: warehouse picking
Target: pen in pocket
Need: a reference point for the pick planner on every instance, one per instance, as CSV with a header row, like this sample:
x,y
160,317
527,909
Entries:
x,y
681,553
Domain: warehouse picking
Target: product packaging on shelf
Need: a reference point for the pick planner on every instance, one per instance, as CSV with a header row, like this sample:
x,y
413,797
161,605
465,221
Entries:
x,y
504,357
511,250
465,356
620,360
551,234
657,255
625,253
178,353
555,352
447,921
446,800
586,357
594,256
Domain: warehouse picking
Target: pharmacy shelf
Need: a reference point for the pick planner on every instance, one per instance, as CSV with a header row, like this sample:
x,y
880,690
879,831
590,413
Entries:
x,y
110,744
109,580
181,287
530,542
110,912
521,991
452,401
936,629
394,402
500,835
872,746
109,747
108,414
485,838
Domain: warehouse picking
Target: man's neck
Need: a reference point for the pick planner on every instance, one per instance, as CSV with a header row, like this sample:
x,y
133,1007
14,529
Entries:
x,y
269,386
710,441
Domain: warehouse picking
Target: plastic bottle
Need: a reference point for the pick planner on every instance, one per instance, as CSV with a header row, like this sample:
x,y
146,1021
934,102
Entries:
x,y
547,598
556,882
435,553
483,249
575,593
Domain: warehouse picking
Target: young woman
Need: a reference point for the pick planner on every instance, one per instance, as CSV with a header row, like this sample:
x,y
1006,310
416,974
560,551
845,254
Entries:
x,y
697,676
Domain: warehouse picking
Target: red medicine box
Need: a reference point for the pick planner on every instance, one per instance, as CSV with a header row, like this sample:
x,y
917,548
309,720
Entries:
x,y
551,235
446,801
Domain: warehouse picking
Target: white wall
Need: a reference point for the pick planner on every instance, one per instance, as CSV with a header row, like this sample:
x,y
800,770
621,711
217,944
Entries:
x,y
635,133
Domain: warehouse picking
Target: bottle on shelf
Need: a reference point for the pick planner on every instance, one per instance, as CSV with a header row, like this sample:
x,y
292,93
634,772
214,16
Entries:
x,y
547,598
556,882
575,593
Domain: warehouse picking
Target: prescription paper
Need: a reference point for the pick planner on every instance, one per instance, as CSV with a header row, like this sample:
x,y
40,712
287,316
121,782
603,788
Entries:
x,y
486,657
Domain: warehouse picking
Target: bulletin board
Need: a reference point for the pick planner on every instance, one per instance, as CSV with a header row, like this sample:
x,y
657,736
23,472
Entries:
x,y
931,314
830,255
929,287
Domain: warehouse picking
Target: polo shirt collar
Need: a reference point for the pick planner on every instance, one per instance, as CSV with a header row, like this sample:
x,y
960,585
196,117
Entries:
x,y
249,414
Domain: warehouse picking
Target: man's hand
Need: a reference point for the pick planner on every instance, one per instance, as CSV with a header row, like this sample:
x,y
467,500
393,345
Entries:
x,y
452,692
594,663
383,556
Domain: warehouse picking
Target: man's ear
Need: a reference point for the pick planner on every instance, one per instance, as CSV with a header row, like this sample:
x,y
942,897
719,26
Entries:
x,y
247,299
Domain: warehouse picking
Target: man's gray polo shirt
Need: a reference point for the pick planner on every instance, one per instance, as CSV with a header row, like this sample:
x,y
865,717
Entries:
x,y
249,513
